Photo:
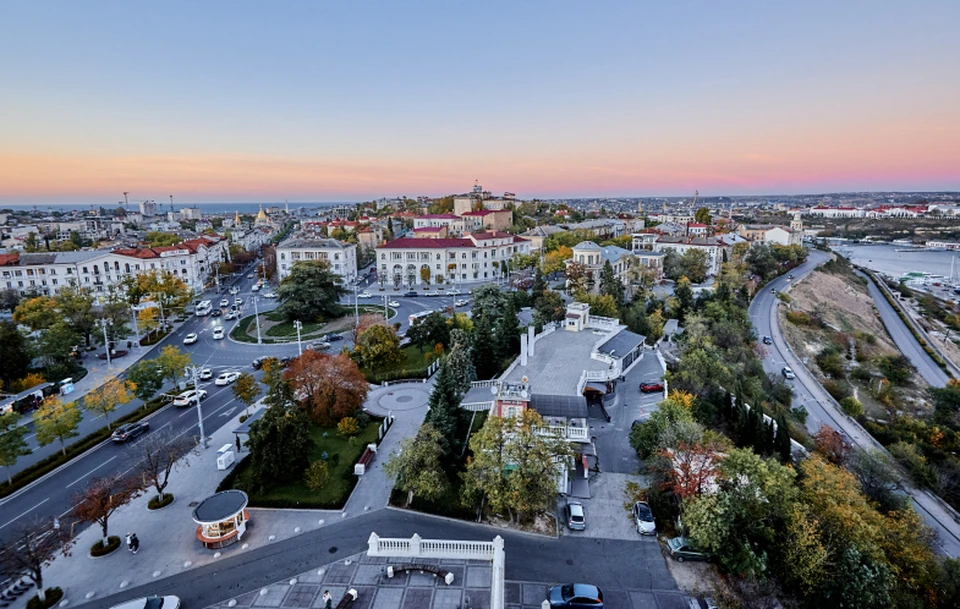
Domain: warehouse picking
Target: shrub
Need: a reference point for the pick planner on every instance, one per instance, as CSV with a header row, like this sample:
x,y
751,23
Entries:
x,y
244,417
831,363
896,368
798,318
861,373
98,549
31,380
52,596
156,503
784,297
852,406
316,475
348,426
916,464
835,389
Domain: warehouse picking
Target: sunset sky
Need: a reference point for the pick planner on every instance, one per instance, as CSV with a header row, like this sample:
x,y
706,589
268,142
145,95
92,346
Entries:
x,y
341,101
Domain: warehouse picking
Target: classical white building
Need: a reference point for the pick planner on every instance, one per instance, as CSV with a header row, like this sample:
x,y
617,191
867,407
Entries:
x,y
475,258
341,256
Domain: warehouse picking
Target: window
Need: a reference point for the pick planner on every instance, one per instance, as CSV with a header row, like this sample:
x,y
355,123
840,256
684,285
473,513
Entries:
x,y
54,282
18,273
85,271
283,255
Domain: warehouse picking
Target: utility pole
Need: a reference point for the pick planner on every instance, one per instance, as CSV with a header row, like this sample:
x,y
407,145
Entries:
x,y
256,317
386,311
106,342
192,369
136,328
298,325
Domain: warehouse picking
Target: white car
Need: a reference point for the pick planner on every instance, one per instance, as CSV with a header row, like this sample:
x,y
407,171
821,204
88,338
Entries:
x,y
218,333
255,288
454,292
393,303
788,373
189,397
365,295
189,339
205,374
238,301
269,295
224,303
461,302
226,378
231,315
234,290
151,602
643,518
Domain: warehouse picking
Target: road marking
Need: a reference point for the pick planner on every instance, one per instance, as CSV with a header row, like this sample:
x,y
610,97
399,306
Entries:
x,y
25,513
91,471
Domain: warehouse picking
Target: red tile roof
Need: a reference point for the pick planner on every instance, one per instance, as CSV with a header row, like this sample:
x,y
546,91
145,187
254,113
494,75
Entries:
x,y
10,259
486,212
410,242
439,217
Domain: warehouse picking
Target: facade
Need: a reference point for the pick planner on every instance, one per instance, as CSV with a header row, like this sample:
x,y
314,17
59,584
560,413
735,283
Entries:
x,y
481,256
537,234
681,245
487,219
772,234
341,256
454,224
431,232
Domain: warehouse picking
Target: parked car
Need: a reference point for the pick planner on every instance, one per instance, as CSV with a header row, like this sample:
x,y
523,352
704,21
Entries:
x,y
681,549
643,518
218,333
130,431
651,387
226,378
224,303
461,302
205,374
188,398
393,303
411,294
332,337
191,338
788,373
365,295
767,340
575,517
151,602
575,596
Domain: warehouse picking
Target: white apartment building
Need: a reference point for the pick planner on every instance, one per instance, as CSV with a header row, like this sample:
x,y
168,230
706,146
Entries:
x,y
455,224
475,258
341,256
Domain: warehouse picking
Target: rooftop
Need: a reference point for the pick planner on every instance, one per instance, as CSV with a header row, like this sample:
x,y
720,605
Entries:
x,y
296,243
560,359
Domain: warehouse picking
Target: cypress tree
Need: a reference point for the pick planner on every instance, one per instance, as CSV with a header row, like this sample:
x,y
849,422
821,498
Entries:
x,y
444,404
782,442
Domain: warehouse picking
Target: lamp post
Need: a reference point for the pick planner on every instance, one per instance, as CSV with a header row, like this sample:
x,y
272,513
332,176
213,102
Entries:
x,y
106,341
193,370
298,325
136,328
256,317
356,307
386,311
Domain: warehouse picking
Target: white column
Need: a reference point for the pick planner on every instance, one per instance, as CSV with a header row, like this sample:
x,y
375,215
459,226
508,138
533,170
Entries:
x,y
523,349
498,572
531,340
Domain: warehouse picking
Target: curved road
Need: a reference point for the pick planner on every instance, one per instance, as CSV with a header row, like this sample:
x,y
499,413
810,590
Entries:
x,y
808,393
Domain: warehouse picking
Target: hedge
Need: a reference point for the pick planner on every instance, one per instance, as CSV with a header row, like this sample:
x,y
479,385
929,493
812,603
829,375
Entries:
x,y
44,467
52,596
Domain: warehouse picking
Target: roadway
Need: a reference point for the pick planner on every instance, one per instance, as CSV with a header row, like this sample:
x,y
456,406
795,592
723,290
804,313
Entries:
x,y
810,394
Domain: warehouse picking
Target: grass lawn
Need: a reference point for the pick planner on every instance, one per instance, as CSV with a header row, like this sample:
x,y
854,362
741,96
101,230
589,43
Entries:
x,y
286,329
342,453
413,365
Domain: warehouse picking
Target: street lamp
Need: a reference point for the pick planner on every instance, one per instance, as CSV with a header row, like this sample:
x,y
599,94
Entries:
x,y
193,370
106,341
356,306
136,328
299,326
256,317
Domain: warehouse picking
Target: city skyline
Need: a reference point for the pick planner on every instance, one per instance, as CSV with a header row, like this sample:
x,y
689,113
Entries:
x,y
240,102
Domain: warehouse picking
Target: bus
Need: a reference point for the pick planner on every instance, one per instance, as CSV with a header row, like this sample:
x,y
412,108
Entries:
x,y
204,307
415,316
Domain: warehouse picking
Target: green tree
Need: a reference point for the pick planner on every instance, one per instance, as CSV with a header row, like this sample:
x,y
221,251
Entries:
x,y
603,305
484,348
160,239
316,475
378,348
75,306
56,420
443,408
675,411
56,346
694,264
417,469
507,337
547,309
147,378
36,313
684,295
311,291
14,353
539,286
246,389
459,362
279,446
12,444
702,215
429,331
172,362
610,284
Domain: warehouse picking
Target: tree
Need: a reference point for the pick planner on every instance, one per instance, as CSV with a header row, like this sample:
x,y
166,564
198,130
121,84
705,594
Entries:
x,y
694,264
684,294
9,299
830,444
672,412
539,286
14,353
54,420
160,453
102,497
602,305
172,362
316,475
610,284
246,389
366,321
105,398
443,408
329,387
12,444
36,313
32,546
554,261
459,362
425,275
416,469
147,379
279,444
579,278
56,345
483,351
311,291
507,334
75,306
548,308
429,331
702,216
378,348
878,476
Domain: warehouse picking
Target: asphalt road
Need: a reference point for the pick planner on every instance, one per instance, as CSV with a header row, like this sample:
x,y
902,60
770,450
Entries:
x,y
808,392
610,564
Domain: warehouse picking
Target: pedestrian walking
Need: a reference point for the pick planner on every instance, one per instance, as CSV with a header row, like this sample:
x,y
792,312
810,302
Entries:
x,y
239,449
327,600
130,542
135,543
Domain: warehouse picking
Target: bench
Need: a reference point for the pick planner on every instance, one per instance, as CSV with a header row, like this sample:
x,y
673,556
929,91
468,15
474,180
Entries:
x,y
437,571
365,460
347,599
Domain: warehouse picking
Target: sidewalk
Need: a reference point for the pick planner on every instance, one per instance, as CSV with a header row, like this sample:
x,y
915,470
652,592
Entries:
x,y
167,536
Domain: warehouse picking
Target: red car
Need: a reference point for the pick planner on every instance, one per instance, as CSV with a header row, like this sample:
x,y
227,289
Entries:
x,y
651,387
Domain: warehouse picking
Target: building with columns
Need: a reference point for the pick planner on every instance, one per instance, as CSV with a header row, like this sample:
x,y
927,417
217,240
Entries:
x,y
342,257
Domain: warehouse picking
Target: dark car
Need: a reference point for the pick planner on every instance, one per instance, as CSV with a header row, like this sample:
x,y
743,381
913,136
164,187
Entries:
x,y
333,336
411,294
575,596
128,432
681,549
767,340
651,387
258,363
216,313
